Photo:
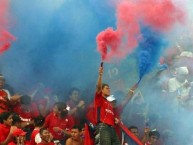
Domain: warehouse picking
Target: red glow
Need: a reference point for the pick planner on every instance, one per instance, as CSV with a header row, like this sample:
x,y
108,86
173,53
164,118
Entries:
x,y
5,36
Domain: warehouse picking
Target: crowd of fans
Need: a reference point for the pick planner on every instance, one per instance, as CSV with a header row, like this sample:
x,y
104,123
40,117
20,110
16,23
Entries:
x,y
41,118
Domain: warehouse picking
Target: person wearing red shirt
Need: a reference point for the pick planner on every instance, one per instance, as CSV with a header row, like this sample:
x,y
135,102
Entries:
x,y
104,115
35,136
19,138
45,137
4,96
6,128
110,103
59,123
16,120
27,111
154,135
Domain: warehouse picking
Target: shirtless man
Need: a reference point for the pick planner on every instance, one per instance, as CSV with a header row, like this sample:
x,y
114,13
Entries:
x,y
75,138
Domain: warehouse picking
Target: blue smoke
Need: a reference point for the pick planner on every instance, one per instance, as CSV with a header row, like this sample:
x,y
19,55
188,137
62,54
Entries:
x,y
55,43
150,49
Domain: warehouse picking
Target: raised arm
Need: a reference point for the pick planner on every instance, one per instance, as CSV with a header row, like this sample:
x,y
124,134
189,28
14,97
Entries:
x,y
129,95
15,98
99,81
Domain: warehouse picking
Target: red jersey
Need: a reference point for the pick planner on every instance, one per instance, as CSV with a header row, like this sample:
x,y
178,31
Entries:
x,y
107,114
4,101
49,143
33,135
4,132
52,120
26,115
12,143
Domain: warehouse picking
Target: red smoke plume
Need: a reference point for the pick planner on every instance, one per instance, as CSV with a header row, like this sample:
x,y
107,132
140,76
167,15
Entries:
x,y
158,14
5,36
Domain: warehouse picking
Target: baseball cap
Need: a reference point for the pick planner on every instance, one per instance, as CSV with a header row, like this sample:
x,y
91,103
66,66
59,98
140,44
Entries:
x,y
19,132
111,98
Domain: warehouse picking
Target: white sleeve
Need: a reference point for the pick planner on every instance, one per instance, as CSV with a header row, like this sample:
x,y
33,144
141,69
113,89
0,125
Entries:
x,y
38,138
8,94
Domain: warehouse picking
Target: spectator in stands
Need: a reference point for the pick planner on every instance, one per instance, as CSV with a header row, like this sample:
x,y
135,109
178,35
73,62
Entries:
x,y
6,128
27,110
45,137
35,136
76,106
135,131
154,136
16,120
59,122
75,138
19,138
5,97
179,87
180,81
104,115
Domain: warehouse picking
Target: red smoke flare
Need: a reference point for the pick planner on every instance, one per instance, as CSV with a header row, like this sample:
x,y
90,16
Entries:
x,y
106,39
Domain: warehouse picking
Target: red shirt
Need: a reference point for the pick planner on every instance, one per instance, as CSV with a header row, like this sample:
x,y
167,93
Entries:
x,y
49,143
4,101
107,114
33,135
4,132
26,115
12,143
65,123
